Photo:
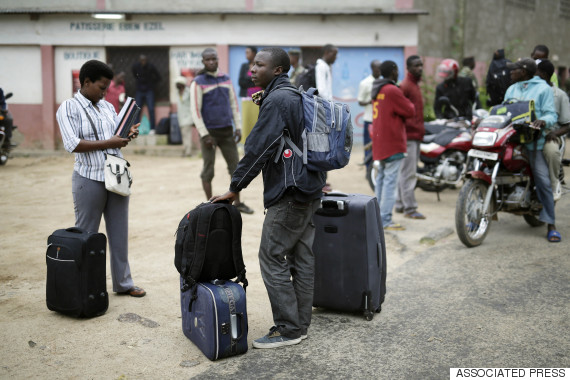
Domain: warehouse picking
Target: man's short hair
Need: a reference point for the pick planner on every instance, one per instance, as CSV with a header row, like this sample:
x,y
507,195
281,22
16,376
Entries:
x,y
279,57
387,68
546,67
411,59
94,70
253,49
328,47
542,48
468,61
209,51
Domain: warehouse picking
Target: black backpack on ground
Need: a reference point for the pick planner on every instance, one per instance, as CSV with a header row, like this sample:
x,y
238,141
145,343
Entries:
x,y
307,79
163,127
208,246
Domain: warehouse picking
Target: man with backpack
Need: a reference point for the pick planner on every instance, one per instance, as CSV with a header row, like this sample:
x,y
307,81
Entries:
x,y
528,87
498,78
291,196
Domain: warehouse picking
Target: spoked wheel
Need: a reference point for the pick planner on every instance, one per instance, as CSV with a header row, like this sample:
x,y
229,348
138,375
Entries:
x,y
532,220
472,226
371,173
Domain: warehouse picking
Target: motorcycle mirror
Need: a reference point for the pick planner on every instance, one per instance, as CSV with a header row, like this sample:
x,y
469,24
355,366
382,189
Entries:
x,y
8,95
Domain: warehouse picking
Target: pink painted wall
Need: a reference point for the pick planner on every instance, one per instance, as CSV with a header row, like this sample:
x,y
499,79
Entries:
x,y
223,57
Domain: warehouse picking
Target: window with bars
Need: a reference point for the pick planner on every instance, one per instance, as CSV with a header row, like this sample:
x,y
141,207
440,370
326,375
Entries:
x,y
123,58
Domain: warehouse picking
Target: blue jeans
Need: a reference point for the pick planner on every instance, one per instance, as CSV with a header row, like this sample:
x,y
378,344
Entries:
x,y
288,265
146,97
386,188
541,176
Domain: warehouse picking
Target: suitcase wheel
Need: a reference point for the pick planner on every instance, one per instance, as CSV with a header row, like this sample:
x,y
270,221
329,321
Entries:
x,y
368,315
379,309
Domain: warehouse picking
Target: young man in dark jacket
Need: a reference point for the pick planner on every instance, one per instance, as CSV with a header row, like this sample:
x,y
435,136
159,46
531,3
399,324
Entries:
x,y
291,196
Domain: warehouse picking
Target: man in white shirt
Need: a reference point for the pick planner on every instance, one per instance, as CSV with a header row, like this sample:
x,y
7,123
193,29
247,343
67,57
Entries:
x,y
365,98
323,71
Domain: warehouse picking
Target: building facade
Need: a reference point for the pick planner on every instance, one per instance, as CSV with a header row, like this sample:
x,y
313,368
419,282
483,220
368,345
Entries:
x,y
45,45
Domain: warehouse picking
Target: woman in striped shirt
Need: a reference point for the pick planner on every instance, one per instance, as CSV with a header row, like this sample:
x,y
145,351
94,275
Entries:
x,y
87,125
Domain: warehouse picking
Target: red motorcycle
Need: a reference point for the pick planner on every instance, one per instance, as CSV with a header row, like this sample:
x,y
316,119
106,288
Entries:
x,y
443,154
501,179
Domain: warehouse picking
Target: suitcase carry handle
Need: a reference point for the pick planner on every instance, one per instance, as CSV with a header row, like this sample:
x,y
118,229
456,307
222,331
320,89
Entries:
x,y
75,230
234,325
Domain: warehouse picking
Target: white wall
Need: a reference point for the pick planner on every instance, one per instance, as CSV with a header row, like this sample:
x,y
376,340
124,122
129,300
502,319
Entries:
x,y
20,73
71,58
184,30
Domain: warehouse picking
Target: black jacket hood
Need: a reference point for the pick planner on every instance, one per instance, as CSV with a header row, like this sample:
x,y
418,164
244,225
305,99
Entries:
x,y
378,84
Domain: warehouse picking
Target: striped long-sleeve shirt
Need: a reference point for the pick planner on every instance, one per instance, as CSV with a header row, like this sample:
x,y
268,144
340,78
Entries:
x,y
75,126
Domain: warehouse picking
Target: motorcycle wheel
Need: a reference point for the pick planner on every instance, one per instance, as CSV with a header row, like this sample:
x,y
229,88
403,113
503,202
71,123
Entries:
x,y
532,220
472,227
371,173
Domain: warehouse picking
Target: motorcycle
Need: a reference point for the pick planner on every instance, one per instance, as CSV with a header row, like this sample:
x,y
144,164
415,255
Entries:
x,y
6,128
443,154
501,180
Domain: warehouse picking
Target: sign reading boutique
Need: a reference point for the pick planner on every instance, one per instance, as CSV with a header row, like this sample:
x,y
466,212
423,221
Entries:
x,y
112,27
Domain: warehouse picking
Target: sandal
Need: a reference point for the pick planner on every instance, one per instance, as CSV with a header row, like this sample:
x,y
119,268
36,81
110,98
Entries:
x,y
553,236
135,291
414,215
394,227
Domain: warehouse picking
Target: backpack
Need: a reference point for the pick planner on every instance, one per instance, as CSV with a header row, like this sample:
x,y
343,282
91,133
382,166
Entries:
x,y
208,246
327,137
521,113
307,79
498,82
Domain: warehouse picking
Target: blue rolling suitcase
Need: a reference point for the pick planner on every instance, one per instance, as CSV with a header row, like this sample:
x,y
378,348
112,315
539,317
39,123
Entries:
x,y
350,254
216,321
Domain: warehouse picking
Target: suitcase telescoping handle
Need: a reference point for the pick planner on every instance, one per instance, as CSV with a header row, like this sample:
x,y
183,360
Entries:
x,y
332,207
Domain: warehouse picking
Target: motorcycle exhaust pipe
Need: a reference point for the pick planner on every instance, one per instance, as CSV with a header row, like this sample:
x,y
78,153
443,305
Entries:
x,y
425,178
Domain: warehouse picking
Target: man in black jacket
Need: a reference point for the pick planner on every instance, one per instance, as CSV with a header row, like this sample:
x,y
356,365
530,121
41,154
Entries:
x,y
291,196
459,91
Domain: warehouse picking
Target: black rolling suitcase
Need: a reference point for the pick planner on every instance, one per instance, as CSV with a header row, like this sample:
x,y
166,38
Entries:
x,y
76,279
174,134
350,254
216,321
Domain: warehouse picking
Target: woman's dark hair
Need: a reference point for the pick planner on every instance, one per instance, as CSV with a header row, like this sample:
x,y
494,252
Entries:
x,y
94,70
253,49
279,57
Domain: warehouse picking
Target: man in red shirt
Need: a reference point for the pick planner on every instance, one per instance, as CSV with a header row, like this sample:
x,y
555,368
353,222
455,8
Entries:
x,y
391,107
116,91
406,200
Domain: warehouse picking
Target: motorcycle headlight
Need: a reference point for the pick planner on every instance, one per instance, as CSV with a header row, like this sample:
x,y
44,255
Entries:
x,y
484,139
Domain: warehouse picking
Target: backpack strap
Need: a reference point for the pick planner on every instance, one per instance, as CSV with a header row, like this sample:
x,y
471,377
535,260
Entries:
x,y
189,245
236,244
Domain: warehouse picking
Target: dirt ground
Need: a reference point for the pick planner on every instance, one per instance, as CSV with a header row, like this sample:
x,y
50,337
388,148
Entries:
x,y
36,200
